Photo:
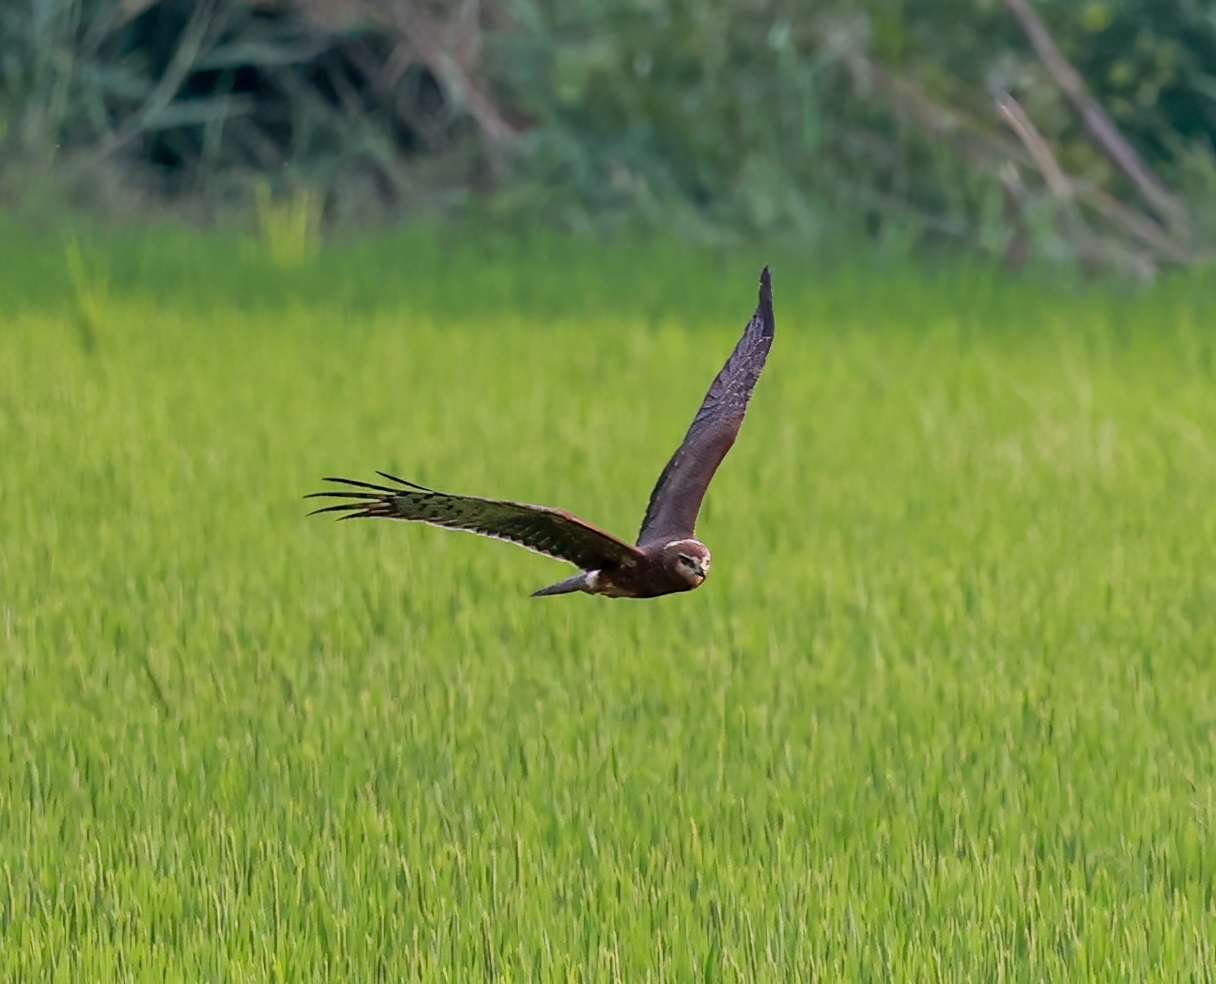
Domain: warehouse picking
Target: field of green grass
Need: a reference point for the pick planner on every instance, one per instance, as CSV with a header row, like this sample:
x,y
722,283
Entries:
x,y
945,710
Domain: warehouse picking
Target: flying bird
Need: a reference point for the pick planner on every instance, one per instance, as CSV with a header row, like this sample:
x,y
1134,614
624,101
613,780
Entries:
x,y
667,556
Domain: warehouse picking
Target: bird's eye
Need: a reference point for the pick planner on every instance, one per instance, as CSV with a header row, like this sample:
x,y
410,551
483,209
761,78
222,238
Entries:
x,y
686,560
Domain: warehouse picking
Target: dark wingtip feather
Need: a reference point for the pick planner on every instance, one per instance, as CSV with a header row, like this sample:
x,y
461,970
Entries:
x,y
344,495
764,308
359,485
340,507
378,502
402,481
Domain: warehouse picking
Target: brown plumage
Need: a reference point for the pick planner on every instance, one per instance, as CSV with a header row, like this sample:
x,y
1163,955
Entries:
x,y
668,557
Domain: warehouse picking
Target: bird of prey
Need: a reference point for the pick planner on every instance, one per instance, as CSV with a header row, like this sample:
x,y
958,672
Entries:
x,y
667,557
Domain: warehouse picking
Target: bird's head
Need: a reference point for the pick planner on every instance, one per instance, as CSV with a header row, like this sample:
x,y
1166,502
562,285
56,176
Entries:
x,y
689,559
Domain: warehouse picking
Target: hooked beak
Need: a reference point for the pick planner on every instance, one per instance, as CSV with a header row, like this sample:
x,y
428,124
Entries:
x,y
700,571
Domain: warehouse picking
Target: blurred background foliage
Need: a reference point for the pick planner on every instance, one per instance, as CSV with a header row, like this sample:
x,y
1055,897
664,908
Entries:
x,y
913,122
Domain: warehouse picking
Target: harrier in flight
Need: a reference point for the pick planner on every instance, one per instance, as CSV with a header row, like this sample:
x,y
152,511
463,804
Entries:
x,y
667,557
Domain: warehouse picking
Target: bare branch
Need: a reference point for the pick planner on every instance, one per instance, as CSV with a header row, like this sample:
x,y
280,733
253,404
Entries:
x,y
1066,189
1088,246
444,58
1101,127
990,153
190,45
449,49
1025,130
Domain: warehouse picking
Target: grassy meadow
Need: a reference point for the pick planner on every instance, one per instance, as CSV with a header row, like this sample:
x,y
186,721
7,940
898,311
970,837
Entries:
x,y
945,709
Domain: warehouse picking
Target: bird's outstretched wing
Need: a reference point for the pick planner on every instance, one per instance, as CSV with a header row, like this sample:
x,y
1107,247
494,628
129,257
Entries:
x,y
676,499
552,532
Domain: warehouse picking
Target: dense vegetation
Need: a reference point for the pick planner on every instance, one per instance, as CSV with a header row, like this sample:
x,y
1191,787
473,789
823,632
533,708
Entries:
x,y
710,118
944,710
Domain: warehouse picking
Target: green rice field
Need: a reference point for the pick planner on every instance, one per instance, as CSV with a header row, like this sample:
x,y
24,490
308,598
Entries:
x,y
944,711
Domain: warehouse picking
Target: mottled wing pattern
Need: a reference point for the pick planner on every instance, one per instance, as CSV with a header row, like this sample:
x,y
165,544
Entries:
x,y
676,499
552,532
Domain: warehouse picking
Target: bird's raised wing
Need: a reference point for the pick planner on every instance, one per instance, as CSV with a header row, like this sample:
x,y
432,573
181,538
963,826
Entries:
x,y
552,532
676,499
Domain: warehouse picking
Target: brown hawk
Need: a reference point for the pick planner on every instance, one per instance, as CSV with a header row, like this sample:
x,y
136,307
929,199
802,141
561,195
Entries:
x,y
667,557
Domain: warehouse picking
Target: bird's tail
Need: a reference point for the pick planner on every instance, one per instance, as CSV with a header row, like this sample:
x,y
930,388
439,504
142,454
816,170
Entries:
x,y
576,583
